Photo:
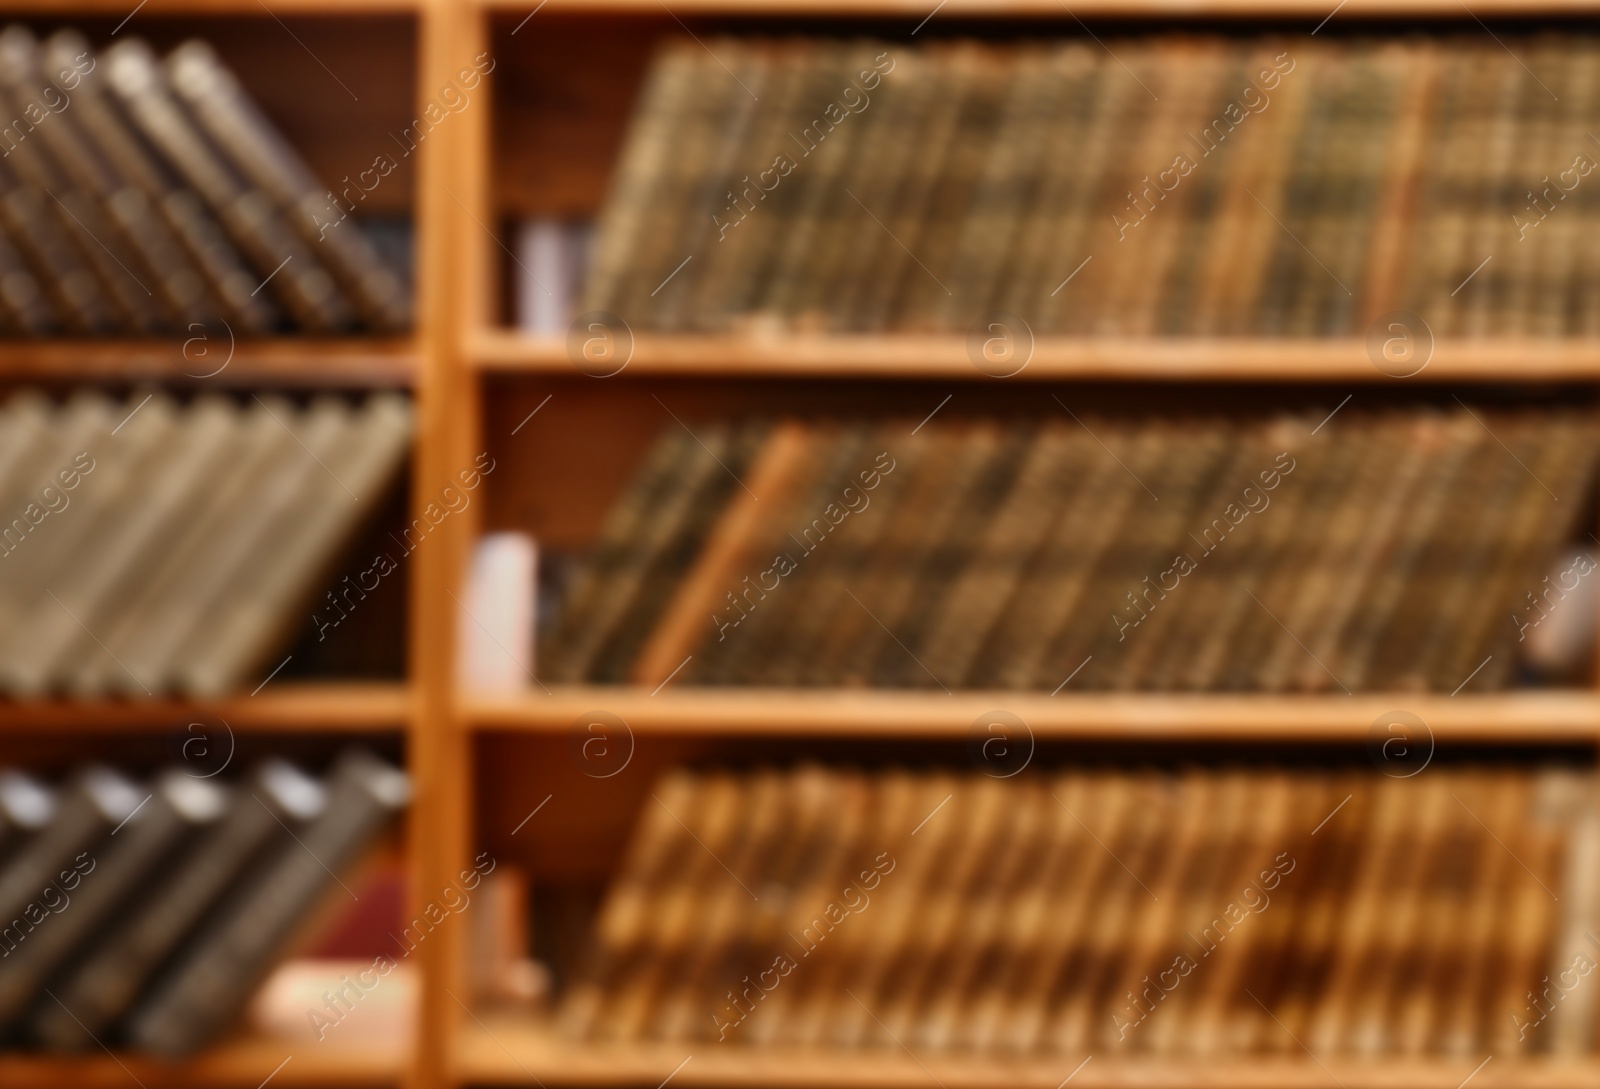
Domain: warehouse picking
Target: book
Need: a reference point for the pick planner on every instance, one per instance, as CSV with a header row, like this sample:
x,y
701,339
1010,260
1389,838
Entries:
x,y
1021,553
213,977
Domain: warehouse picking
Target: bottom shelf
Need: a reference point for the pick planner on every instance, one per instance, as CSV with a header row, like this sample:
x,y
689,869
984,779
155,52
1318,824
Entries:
x,y
511,1050
246,1062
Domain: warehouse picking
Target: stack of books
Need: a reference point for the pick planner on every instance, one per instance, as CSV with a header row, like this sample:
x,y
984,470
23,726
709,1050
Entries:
x,y
148,546
146,914
1167,184
1207,910
1394,549
139,196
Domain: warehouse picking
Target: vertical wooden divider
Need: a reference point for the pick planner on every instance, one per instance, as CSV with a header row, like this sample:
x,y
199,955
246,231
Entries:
x,y
452,178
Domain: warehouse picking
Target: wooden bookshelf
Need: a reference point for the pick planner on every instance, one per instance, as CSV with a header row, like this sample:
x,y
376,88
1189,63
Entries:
x,y
469,177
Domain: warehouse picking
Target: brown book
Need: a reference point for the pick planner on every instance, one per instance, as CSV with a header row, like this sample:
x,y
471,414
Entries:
x,y
238,127
302,286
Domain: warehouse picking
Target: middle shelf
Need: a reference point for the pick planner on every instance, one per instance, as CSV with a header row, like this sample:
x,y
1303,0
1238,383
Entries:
x,y
1549,715
945,356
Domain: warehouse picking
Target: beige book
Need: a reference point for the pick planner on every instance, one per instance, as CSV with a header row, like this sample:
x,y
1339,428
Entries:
x,y
113,525
238,636
76,441
230,513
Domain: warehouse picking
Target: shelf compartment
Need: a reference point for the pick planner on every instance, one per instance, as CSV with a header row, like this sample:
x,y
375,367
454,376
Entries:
x,y
292,707
503,1050
944,356
1550,716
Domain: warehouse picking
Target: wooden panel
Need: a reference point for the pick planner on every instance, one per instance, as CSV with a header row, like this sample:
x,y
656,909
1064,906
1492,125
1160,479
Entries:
x,y
212,357
290,708
506,1050
1518,717
243,1063
1054,9
1245,359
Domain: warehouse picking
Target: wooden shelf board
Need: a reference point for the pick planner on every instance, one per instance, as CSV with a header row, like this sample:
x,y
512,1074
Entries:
x,y
250,8
919,9
279,360
286,707
242,1062
1542,716
505,1050
945,357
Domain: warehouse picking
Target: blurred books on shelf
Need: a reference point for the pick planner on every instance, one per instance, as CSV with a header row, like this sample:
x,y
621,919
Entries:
x,y
163,198
1245,185
1197,911
145,915
152,547
1405,550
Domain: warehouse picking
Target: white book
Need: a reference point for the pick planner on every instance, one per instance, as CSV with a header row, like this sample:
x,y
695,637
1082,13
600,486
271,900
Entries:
x,y
497,626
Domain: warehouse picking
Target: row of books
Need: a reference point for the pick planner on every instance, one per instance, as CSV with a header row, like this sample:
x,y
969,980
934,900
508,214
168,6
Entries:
x,y
1167,184
1208,910
152,546
1393,549
145,914
139,196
